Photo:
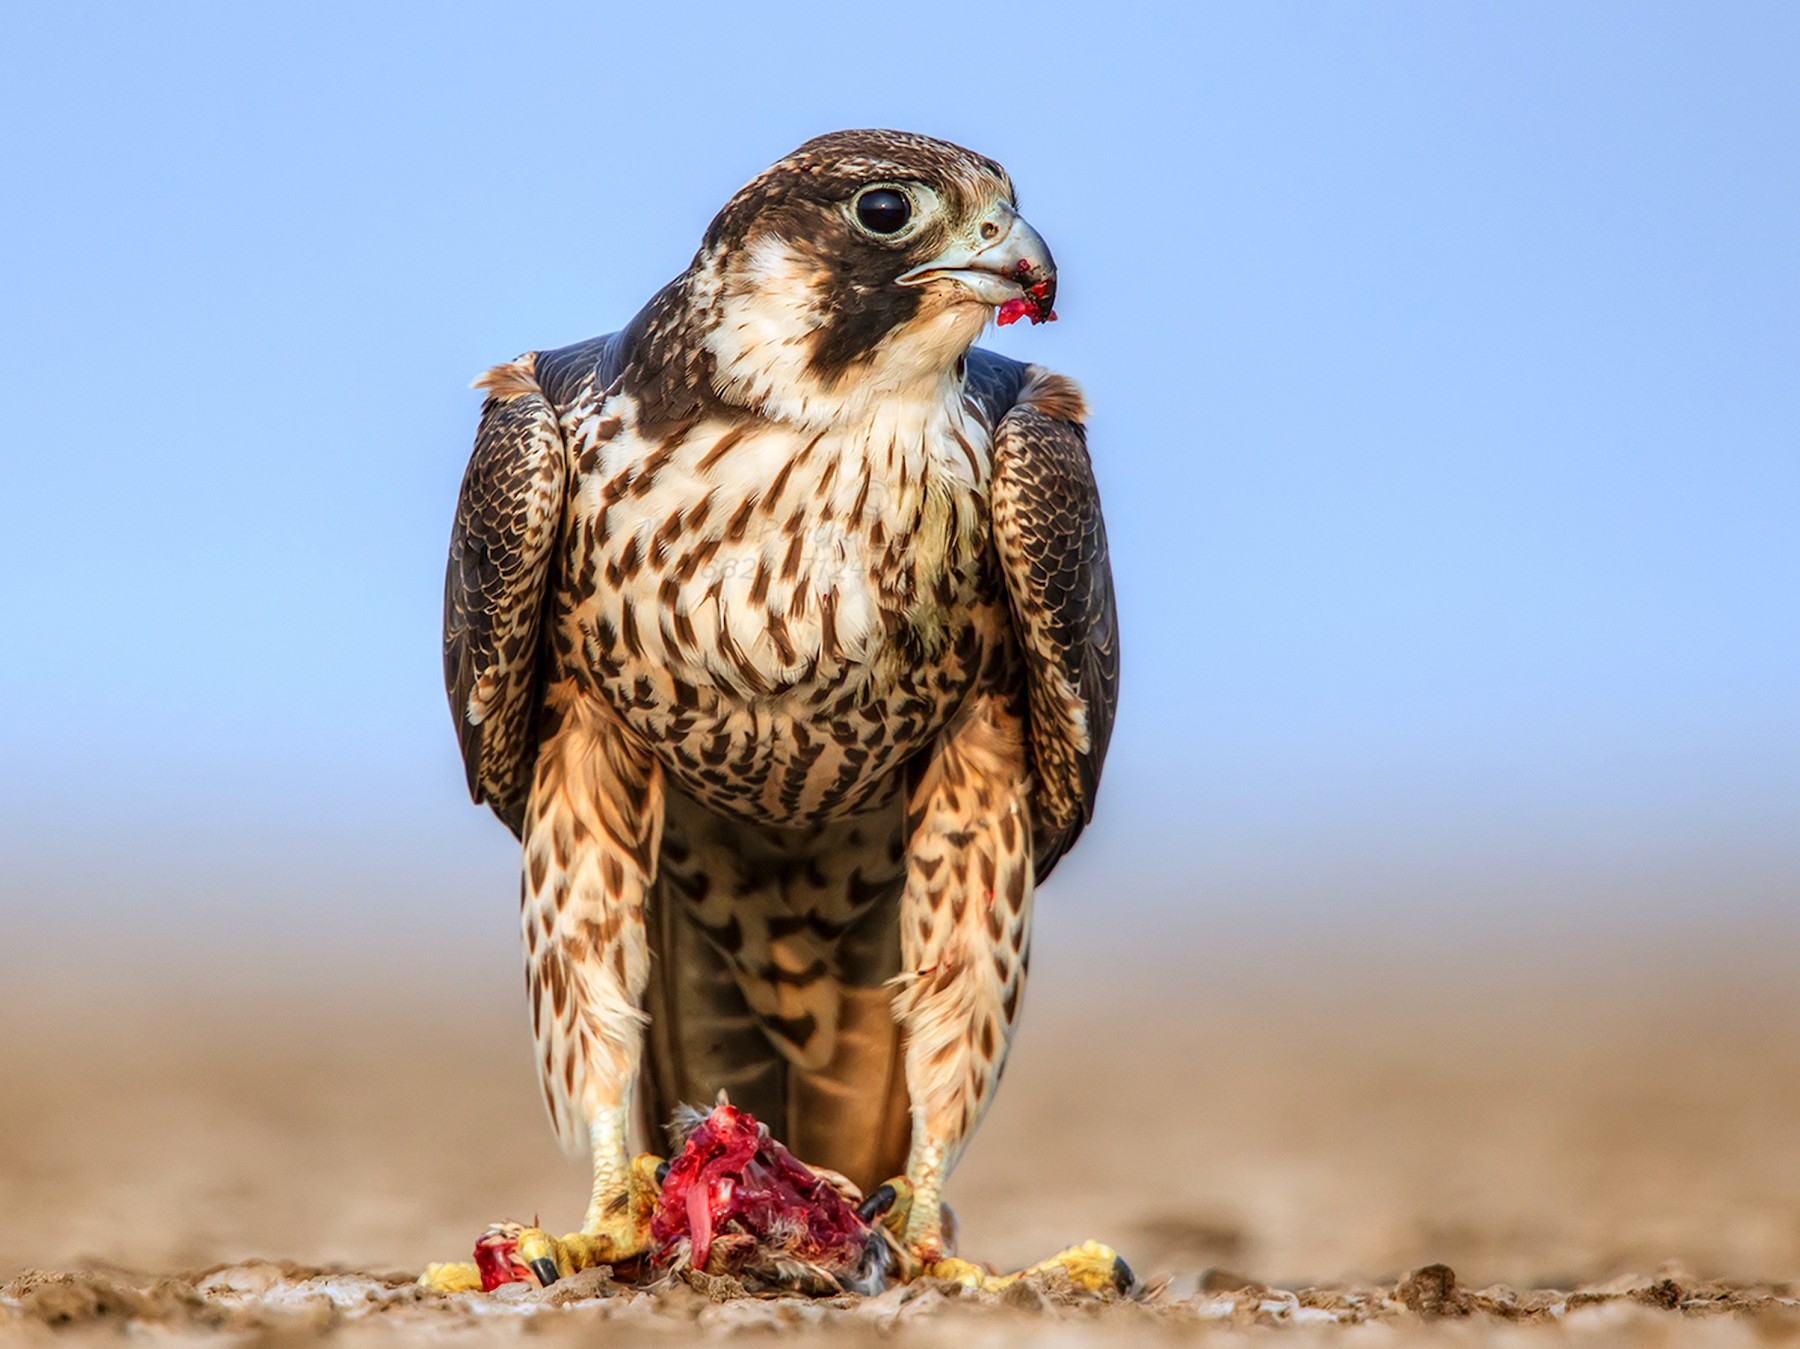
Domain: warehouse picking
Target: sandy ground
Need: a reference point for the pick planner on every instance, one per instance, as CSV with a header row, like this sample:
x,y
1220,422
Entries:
x,y
1605,1152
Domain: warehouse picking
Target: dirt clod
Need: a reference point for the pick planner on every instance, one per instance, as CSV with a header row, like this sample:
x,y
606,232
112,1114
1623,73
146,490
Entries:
x,y
1664,1293
1430,1290
579,1287
1025,1296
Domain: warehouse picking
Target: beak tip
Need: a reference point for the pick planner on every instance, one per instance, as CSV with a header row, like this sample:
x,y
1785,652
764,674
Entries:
x,y
545,1270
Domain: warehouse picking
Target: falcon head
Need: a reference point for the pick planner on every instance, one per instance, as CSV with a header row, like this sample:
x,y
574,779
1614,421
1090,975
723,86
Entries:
x,y
865,261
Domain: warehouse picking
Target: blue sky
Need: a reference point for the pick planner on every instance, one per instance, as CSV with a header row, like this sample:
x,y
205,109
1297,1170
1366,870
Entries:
x,y
1445,360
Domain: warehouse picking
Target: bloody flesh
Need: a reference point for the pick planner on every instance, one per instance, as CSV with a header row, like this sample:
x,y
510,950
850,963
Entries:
x,y
732,1176
1027,307
494,1261
1034,304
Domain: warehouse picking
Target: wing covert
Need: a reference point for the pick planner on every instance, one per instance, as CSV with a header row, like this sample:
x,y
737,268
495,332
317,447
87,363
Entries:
x,y
1051,543
502,546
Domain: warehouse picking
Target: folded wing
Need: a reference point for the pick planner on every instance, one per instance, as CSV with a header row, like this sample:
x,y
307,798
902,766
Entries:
x,y
1051,543
502,550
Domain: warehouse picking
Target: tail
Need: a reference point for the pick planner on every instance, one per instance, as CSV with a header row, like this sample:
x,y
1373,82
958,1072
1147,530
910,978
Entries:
x,y
771,952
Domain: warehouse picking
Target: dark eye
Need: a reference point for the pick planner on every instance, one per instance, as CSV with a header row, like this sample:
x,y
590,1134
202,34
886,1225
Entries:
x,y
883,210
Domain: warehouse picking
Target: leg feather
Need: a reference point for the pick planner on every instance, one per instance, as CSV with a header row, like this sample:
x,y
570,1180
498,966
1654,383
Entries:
x,y
965,929
592,831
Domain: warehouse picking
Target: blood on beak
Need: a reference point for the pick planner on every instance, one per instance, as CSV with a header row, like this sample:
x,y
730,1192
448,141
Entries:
x,y
1014,271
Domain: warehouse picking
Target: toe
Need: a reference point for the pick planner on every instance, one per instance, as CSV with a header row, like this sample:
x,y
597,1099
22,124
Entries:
x,y
543,1255
457,1276
964,1272
878,1204
1093,1267
1123,1279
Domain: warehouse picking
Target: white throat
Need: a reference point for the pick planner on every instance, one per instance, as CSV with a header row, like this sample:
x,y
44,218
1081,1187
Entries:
x,y
768,302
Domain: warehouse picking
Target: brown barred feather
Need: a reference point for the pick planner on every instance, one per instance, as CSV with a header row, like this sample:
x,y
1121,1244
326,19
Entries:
x,y
508,522
1052,545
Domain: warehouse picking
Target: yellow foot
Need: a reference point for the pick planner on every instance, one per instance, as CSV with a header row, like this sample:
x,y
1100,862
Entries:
x,y
514,1253
511,1253
551,1258
1091,1267
619,1229
925,1232
889,1207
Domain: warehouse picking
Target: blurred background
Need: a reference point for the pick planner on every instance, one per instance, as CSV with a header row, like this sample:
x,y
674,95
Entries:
x,y
1447,385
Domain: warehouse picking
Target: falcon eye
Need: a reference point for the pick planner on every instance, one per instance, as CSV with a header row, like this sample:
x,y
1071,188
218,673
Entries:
x,y
883,210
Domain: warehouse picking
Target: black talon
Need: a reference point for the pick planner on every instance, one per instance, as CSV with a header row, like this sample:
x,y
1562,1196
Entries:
x,y
877,1204
1123,1278
545,1269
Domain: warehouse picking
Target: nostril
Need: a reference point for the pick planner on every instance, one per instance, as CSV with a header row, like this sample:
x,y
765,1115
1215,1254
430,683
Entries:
x,y
989,230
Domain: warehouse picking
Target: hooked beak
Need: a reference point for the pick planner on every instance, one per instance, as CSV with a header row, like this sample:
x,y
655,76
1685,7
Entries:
x,y
1013,270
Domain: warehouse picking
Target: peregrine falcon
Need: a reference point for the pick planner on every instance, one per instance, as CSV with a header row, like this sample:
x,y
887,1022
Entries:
x,y
779,628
